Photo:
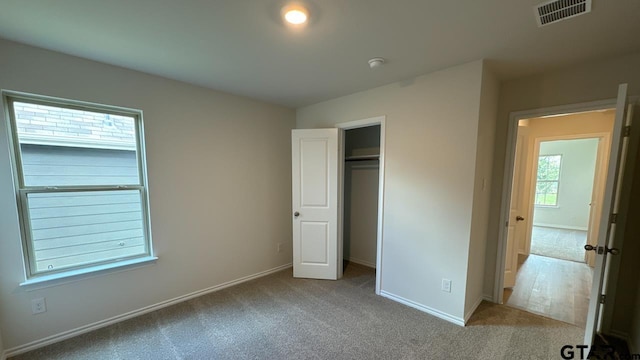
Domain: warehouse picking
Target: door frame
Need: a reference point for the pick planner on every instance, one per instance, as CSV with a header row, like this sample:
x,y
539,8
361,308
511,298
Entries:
x,y
378,120
512,128
604,147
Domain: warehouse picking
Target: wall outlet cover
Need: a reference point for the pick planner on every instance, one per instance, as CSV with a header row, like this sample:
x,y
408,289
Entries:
x,y
38,306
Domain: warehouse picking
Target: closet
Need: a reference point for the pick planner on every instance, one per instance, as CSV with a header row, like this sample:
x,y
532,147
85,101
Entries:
x,y
361,186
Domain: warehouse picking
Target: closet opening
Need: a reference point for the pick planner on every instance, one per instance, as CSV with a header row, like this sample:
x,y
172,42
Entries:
x,y
361,197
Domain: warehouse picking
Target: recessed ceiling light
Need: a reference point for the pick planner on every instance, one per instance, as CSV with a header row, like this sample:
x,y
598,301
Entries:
x,y
295,14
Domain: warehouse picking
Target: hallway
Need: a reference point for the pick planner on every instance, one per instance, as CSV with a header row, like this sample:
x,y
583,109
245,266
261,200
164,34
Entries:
x,y
554,288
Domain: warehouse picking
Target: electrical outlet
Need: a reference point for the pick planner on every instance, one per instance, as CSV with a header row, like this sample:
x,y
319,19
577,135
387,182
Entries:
x,y
38,306
279,247
446,285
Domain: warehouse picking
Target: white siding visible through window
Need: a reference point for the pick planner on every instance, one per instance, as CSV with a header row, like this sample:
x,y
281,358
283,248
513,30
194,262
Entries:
x,y
59,165
74,228
82,188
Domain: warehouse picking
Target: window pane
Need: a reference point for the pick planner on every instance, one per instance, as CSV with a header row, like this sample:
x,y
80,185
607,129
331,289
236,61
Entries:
x,y
543,167
550,199
548,179
64,147
549,167
70,229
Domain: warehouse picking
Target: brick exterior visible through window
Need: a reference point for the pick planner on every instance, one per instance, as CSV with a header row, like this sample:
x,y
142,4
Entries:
x,y
37,123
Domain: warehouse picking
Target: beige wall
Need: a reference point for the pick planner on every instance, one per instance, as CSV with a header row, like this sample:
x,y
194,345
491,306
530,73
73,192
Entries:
x,y
361,202
581,83
2,357
219,183
430,161
577,171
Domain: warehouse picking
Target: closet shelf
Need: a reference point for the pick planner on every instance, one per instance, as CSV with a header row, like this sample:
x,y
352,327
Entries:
x,y
362,158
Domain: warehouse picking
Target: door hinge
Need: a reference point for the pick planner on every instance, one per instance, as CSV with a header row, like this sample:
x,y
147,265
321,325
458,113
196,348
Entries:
x,y
506,223
603,298
613,218
627,131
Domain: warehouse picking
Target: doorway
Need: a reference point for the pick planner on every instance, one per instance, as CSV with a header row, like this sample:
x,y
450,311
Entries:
x,y
560,221
360,200
320,162
558,187
362,194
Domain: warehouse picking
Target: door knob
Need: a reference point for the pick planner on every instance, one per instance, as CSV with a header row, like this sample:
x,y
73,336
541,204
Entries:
x,y
519,218
296,214
613,251
601,249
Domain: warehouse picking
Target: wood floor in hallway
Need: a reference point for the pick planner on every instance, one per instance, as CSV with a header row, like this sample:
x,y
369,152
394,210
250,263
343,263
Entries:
x,y
554,288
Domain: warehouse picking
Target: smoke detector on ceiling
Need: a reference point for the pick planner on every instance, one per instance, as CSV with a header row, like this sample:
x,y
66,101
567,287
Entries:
x,y
376,62
557,10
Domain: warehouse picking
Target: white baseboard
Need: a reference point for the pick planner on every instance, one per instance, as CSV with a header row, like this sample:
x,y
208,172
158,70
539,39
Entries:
x,y
147,309
488,298
468,315
426,309
566,227
362,262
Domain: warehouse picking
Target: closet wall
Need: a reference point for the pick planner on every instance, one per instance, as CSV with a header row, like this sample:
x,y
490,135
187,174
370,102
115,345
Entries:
x,y
361,194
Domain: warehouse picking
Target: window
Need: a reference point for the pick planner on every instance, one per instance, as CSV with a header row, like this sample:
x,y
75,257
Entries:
x,y
548,180
80,183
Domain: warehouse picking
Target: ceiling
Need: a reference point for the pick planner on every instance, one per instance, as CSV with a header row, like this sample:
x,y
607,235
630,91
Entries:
x,y
242,46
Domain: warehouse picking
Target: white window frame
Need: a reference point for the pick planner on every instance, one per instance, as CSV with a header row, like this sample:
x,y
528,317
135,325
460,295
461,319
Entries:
x,y
22,191
557,204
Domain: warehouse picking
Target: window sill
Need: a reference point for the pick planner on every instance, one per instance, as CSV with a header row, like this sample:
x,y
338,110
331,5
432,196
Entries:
x,y
85,273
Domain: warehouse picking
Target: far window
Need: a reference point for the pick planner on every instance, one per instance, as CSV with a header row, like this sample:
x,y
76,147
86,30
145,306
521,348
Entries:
x,y
80,179
548,180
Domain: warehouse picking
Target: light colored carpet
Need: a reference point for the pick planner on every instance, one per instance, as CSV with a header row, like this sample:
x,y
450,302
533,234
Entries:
x,y
558,243
278,317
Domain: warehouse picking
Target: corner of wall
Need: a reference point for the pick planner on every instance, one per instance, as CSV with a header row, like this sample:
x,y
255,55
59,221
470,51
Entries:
x,y
487,112
3,355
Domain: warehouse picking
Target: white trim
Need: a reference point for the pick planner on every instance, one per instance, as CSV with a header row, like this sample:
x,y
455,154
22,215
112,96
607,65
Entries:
x,y
512,128
45,281
378,120
78,142
488,298
361,123
431,311
556,226
473,309
362,262
131,314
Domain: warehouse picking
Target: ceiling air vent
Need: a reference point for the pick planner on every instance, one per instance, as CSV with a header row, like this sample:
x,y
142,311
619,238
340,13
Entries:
x,y
554,11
